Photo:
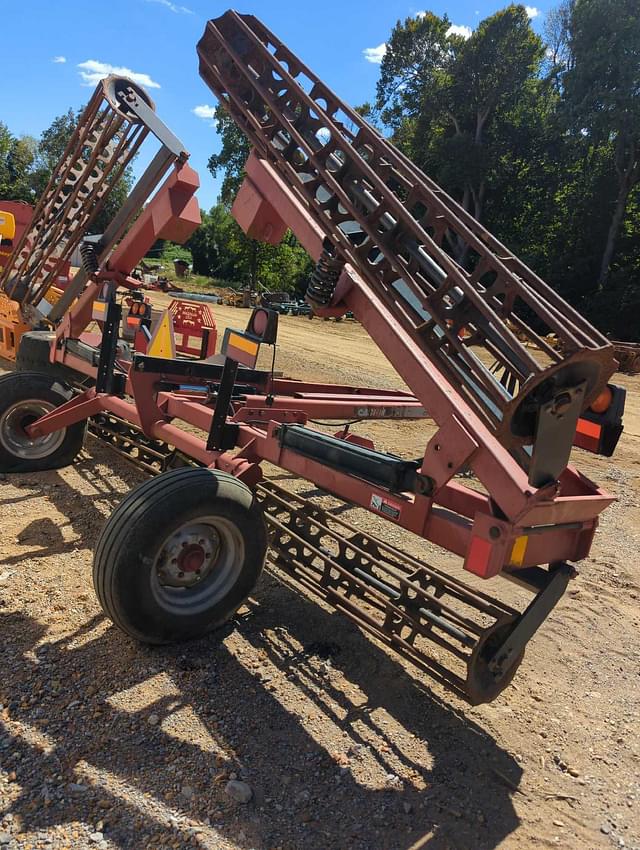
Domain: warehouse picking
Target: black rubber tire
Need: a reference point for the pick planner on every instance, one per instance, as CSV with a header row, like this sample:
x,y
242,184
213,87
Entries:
x,y
33,356
25,386
136,533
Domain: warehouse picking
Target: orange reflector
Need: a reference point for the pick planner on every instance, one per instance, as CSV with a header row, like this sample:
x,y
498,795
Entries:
x,y
588,428
99,311
242,350
518,551
603,401
244,344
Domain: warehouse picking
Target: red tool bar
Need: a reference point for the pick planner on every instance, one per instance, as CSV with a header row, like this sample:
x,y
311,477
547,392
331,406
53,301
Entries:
x,y
453,525
492,463
288,386
173,213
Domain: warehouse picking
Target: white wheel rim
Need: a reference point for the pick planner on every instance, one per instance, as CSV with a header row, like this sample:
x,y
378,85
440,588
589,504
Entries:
x,y
185,581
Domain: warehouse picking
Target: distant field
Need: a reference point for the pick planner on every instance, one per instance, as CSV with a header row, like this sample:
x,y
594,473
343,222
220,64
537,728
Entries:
x,y
193,283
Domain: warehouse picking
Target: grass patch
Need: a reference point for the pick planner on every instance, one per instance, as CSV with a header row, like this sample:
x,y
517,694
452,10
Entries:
x,y
193,283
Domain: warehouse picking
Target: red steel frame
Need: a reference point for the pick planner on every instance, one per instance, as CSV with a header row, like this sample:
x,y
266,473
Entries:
x,y
556,523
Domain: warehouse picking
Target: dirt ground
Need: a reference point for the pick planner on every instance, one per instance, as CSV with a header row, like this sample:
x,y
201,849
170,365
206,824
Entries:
x,y
106,743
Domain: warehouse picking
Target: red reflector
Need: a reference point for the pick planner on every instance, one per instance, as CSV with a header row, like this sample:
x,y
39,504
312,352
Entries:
x,y
478,556
588,435
589,429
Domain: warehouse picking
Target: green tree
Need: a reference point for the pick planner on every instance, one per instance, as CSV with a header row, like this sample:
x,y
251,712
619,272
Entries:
x,y
51,146
221,249
16,161
213,243
446,97
558,57
232,156
602,97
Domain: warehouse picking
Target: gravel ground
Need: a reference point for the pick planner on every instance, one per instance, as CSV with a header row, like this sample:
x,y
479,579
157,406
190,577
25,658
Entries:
x,y
290,729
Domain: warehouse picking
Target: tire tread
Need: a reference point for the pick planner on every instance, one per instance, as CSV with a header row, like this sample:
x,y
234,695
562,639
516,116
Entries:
x,y
137,507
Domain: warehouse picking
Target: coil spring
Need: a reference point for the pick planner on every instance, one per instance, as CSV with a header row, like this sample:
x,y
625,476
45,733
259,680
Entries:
x,y
324,279
89,256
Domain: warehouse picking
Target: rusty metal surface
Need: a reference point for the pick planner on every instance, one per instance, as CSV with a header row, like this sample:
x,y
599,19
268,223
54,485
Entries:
x,y
397,227
104,143
440,624
628,356
433,620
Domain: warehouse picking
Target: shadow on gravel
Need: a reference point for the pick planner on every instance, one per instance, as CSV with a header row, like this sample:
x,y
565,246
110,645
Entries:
x,y
98,728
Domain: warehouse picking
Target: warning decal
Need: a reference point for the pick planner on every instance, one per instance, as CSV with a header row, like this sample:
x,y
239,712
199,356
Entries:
x,y
384,506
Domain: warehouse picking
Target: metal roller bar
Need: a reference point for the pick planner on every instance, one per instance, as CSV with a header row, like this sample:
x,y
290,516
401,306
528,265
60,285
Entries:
x,y
467,640
439,624
393,224
107,137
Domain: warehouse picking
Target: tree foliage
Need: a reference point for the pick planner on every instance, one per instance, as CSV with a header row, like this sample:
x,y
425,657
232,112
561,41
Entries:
x,y
538,141
602,96
233,154
16,164
448,99
221,249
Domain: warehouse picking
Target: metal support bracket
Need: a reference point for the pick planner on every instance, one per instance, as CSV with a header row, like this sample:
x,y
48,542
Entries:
x,y
531,619
555,431
105,379
159,129
223,436
449,448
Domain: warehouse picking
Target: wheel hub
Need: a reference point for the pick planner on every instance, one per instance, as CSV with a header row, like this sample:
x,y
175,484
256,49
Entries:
x,y
191,559
188,556
14,437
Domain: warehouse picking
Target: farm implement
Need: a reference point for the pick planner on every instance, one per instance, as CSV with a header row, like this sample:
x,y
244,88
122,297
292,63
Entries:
x,y
493,485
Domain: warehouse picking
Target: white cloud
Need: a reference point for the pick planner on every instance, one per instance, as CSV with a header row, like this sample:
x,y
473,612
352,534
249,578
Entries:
x,y
204,111
93,71
375,54
207,113
59,60
178,10
459,29
531,11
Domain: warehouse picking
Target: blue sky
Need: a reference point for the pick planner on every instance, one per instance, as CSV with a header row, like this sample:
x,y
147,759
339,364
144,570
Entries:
x,y
53,51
